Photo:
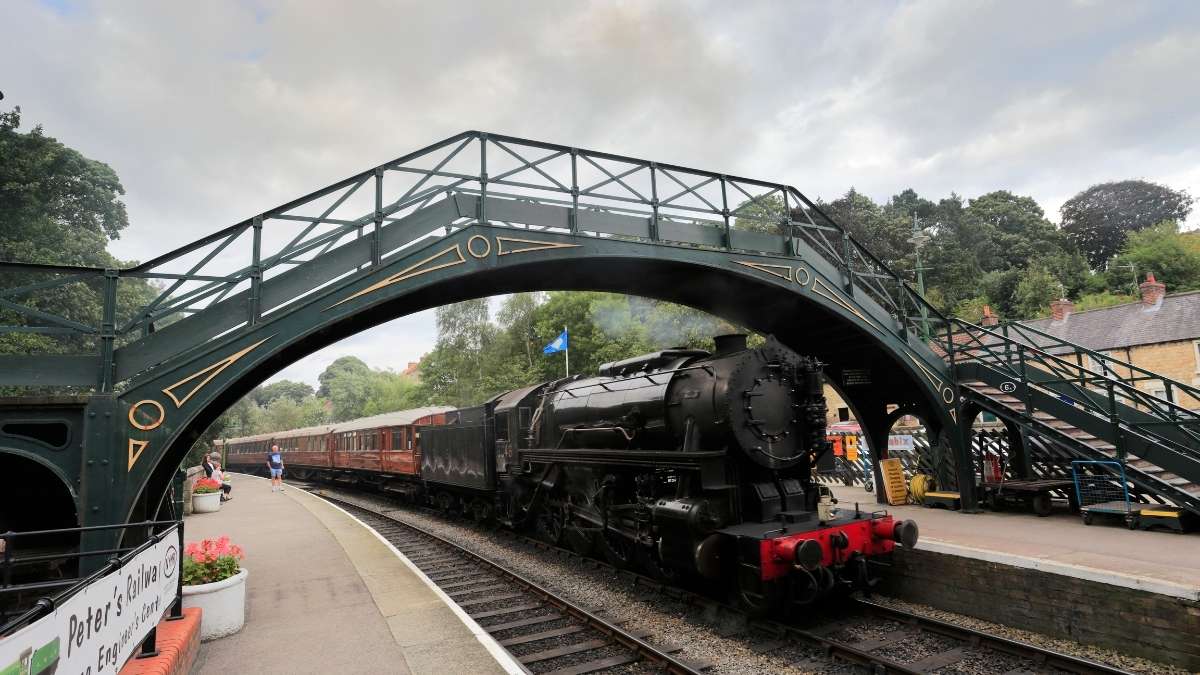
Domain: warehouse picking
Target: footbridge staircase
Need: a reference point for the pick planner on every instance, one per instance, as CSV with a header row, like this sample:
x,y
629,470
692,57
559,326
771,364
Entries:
x,y
1086,405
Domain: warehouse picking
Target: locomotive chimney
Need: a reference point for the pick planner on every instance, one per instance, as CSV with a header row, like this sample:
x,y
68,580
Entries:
x,y
728,344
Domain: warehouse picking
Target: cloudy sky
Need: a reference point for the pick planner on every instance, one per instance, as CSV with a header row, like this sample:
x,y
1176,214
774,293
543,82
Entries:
x,y
211,112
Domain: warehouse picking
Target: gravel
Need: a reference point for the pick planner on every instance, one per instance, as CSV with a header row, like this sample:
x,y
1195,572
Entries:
x,y
709,636
1131,663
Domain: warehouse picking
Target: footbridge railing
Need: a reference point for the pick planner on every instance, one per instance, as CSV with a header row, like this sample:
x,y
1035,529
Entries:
x,y
1133,412
367,219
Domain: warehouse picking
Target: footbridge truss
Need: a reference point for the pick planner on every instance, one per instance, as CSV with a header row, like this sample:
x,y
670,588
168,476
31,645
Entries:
x,y
474,215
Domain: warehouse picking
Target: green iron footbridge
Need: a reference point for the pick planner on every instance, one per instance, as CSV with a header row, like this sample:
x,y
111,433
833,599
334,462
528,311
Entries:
x,y
480,214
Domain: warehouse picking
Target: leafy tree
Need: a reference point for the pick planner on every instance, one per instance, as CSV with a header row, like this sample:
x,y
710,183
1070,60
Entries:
x,y
1099,219
297,392
453,372
764,213
346,383
1172,256
58,207
388,392
879,231
1036,288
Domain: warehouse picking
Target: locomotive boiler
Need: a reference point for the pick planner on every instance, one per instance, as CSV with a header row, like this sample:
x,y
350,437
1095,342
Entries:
x,y
688,464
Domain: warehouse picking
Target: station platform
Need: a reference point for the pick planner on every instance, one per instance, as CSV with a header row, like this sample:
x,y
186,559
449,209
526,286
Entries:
x,y
325,594
1156,561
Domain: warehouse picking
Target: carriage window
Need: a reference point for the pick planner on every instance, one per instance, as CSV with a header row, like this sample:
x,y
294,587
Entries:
x,y
396,442
502,427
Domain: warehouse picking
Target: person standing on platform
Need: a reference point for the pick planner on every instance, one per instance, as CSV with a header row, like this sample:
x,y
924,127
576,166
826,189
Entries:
x,y
275,464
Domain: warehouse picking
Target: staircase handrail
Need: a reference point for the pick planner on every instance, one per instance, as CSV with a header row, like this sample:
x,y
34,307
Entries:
x,y
1168,413
1104,360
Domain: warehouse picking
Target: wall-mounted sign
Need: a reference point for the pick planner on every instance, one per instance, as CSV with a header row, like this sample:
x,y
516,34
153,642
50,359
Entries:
x,y
900,443
854,377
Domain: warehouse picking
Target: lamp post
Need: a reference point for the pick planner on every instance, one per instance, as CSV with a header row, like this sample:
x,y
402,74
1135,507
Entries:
x,y
918,239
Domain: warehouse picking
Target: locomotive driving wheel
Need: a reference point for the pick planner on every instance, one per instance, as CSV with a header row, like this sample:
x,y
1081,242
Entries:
x,y
551,523
619,550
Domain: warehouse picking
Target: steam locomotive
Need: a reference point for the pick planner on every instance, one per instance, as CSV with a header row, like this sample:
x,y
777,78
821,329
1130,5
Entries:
x,y
688,464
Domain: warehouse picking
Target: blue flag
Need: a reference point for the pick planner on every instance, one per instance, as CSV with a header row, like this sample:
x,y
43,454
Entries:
x,y
558,344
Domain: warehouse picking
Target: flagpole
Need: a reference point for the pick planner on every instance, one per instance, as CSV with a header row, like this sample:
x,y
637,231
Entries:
x,y
567,352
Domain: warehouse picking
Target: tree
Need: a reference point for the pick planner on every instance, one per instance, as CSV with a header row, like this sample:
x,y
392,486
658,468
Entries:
x,y
454,371
58,207
1099,219
346,383
389,392
1172,256
290,389
866,221
1036,289
763,213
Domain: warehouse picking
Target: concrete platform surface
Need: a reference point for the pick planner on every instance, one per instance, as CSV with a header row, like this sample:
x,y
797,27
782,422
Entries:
x,y
1151,560
327,595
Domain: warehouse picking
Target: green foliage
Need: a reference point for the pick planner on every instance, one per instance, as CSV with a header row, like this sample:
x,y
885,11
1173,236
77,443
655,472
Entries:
x,y
763,213
1099,219
388,392
59,207
297,392
1100,300
1173,258
1036,288
971,309
346,383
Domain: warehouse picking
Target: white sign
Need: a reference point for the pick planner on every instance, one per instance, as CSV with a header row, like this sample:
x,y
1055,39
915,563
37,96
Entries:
x,y
101,626
900,443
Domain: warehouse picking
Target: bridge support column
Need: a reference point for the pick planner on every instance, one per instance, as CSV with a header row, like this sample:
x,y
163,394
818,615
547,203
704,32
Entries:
x,y
959,437
101,483
876,424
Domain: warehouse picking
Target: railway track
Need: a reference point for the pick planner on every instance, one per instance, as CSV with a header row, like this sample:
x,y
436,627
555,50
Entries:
x,y
544,632
871,636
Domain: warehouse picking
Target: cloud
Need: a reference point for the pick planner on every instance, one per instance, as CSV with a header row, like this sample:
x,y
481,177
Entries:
x,y
212,114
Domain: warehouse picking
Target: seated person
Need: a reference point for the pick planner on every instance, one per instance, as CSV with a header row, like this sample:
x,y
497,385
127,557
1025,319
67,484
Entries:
x,y
212,469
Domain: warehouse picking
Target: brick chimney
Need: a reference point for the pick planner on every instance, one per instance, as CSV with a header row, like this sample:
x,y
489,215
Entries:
x,y
1152,291
988,319
1060,309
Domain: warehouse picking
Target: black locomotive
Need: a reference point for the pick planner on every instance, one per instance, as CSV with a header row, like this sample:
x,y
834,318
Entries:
x,y
684,462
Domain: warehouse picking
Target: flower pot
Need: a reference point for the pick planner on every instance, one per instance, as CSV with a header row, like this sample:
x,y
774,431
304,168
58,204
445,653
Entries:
x,y
223,605
206,503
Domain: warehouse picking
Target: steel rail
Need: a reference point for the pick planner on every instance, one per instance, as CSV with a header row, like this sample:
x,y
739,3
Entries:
x,y
1042,655
846,651
638,646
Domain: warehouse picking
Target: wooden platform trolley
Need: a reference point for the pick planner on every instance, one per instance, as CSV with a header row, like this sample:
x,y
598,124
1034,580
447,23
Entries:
x,y
1034,494
1103,491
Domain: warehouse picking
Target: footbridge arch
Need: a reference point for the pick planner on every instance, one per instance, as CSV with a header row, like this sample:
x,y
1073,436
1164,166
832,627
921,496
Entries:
x,y
472,216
